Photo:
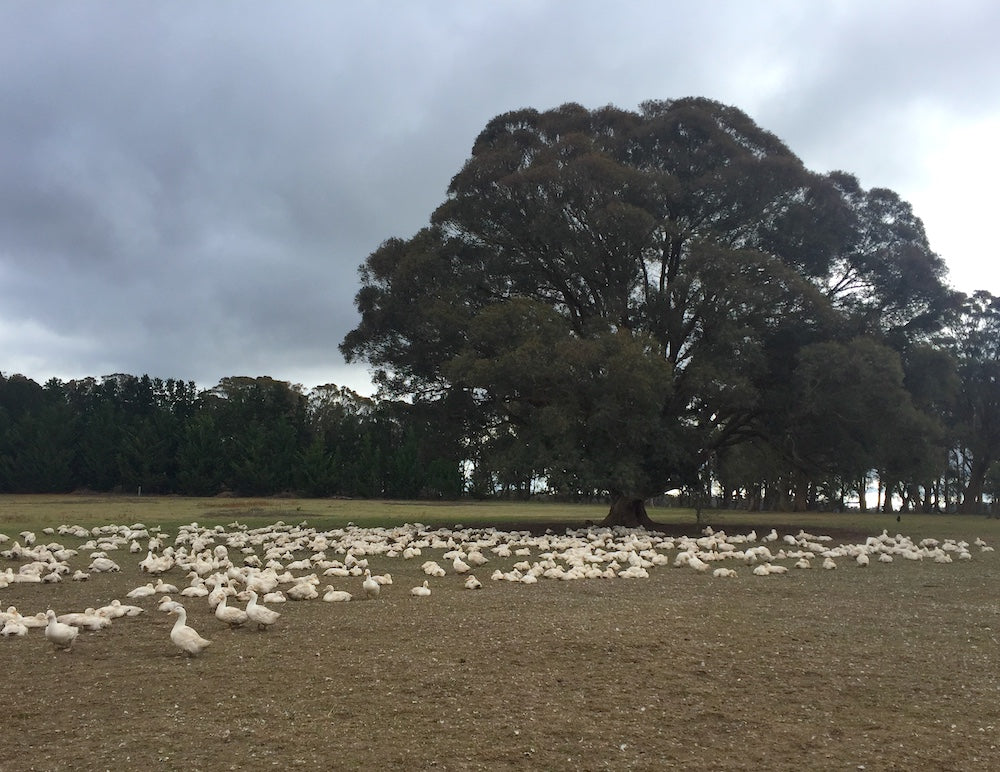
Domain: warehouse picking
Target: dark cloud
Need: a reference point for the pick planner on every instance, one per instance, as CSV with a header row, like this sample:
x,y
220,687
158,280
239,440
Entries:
x,y
188,189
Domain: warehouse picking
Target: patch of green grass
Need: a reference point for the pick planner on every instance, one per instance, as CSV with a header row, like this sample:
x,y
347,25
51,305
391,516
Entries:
x,y
34,512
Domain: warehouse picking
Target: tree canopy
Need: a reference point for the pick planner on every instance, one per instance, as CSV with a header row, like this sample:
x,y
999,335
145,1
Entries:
x,y
608,299
974,340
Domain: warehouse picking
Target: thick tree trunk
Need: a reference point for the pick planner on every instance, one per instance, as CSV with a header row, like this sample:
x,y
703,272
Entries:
x,y
886,490
887,506
972,498
629,512
863,494
929,502
800,493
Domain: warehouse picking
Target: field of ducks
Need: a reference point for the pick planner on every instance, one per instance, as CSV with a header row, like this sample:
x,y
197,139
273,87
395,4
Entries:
x,y
240,646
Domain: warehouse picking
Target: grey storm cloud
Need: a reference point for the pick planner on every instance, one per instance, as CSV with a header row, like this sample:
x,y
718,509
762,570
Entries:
x,y
188,189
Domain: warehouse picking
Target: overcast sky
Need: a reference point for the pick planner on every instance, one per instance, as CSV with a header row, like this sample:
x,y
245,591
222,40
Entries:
x,y
188,189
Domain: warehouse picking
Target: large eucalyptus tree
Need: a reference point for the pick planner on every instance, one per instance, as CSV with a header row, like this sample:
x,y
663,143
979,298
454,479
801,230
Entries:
x,y
611,294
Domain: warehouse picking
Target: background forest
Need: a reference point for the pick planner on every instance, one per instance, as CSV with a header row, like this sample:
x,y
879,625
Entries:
x,y
258,436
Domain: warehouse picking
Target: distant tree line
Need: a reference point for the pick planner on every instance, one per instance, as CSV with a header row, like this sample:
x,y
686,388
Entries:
x,y
251,436
920,425
922,428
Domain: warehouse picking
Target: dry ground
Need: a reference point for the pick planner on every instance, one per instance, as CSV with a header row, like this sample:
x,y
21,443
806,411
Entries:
x,y
890,667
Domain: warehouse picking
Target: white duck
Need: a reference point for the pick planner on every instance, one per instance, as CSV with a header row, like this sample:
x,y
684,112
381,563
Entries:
x,y
129,610
336,596
422,591
61,635
186,638
472,583
261,615
143,591
88,619
303,591
220,591
103,564
35,620
196,589
162,586
231,615
476,558
370,586
14,627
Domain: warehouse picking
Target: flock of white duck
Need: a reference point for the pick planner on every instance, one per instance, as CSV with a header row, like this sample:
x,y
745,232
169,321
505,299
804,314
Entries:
x,y
237,570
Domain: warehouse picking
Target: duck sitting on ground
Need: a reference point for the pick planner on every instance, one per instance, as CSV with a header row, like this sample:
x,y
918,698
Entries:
x,y
472,583
88,619
14,627
116,609
336,596
143,591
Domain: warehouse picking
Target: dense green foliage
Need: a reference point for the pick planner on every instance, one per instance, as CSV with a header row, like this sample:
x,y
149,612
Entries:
x,y
253,436
621,303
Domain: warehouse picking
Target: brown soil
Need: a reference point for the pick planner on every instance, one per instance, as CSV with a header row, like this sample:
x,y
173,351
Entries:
x,y
889,667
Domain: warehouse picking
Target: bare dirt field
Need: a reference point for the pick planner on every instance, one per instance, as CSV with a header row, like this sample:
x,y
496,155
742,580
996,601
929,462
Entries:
x,y
893,666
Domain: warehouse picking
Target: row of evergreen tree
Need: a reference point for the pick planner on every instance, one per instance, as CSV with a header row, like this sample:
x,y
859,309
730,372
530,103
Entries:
x,y
252,436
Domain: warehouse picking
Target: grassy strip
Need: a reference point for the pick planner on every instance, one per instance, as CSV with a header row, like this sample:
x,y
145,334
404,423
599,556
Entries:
x,y
34,512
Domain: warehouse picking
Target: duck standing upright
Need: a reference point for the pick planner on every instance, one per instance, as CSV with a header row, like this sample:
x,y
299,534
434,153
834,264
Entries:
x,y
370,586
61,635
186,638
231,615
261,615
